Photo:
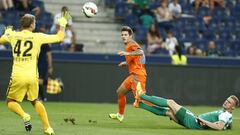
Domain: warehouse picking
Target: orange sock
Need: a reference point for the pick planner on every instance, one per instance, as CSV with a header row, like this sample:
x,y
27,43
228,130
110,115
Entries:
x,y
40,109
15,107
148,103
121,104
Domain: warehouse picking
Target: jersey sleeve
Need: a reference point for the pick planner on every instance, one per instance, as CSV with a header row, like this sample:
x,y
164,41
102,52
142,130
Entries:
x,y
54,38
5,38
225,117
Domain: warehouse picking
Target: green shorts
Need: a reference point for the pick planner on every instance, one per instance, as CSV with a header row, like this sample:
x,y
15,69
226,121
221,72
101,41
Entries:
x,y
187,119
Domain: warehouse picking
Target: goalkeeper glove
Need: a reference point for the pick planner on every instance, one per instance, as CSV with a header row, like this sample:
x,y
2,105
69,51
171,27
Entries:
x,y
8,30
62,22
65,17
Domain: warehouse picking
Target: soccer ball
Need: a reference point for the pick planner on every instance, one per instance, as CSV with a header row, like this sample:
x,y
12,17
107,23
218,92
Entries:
x,y
89,9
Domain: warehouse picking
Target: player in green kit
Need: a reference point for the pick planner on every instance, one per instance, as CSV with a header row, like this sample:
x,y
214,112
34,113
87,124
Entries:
x,y
26,46
217,120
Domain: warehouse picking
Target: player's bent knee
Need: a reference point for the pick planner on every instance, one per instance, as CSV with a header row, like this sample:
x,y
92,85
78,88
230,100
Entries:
x,y
34,102
10,100
171,102
121,91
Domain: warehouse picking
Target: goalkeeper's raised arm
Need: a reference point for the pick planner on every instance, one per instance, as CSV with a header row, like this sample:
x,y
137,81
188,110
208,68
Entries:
x,y
8,31
60,34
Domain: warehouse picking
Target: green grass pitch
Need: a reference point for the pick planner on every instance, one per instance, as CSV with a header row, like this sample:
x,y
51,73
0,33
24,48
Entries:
x,y
136,122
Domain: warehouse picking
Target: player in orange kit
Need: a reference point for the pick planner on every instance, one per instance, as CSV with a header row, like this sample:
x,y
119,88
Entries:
x,y
135,60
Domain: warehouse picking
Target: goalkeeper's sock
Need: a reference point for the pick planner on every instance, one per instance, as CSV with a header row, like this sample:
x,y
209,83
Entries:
x,y
162,102
15,107
121,104
40,109
154,109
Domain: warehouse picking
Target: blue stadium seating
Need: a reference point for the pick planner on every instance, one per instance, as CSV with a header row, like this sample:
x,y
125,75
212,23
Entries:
x,y
46,19
38,3
154,5
219,12
221,45
203,11
202,44
224,28
121,10
140,33
131,20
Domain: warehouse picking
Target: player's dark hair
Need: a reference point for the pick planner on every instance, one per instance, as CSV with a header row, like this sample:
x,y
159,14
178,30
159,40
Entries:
x,y
235,99
128,29
64,9
26,21
178,50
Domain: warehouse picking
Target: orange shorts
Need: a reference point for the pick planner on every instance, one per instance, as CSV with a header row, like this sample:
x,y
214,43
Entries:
x,y
131,82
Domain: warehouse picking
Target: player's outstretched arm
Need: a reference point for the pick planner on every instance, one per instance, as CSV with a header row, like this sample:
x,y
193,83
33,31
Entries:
x,y
2,40
60,34
8,31
133,53
219,125
65,16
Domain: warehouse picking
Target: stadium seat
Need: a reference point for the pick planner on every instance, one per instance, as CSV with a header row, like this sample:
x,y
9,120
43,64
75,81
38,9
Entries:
x,y
162,51
131,20
208,34
179,24
229,3
235,47
141,34
56,47
190,32
110,3
154,5
220,45
46,19
182,36
219,12
229,52
202,44
11,15
162,32
199,24
230,23
121,10
183,2
203,11
38,3
176,33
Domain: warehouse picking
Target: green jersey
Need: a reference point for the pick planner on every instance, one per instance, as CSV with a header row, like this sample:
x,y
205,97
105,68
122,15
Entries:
x,y
219,115
189,120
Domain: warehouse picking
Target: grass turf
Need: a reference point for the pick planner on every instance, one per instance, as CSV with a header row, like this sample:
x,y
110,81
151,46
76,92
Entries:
x,y
136,122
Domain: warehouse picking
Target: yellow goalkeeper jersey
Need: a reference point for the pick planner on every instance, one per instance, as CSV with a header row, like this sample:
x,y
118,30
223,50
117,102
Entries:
x,y
26,48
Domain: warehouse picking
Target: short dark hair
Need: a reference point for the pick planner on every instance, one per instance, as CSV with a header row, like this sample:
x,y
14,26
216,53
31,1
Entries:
x,y
64,9
26,21
128,29
236,100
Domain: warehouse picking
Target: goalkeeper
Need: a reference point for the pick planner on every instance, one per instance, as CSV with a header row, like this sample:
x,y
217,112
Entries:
x,y
26,46
216,120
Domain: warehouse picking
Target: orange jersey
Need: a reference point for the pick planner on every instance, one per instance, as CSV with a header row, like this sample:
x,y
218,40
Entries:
x,y
136,64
